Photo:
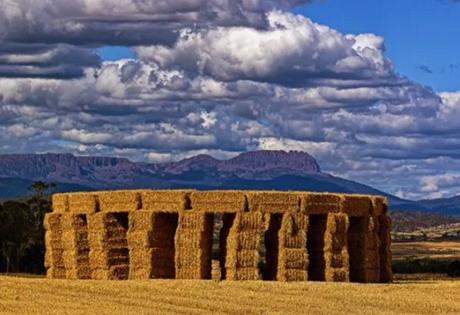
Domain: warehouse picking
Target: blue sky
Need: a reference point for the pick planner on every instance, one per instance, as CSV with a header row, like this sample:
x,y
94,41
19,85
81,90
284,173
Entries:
x,y
419,34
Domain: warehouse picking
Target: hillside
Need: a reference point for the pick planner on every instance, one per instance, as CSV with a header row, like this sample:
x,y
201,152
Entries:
x,y
278,170
41,296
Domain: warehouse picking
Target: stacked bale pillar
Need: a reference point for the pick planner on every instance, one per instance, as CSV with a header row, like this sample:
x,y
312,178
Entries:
x,y
193,244
293,257
386,273
54,256
336,257
242,254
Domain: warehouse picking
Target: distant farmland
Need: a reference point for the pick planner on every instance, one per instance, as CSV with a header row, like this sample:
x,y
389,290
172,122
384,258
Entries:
x,y
41,296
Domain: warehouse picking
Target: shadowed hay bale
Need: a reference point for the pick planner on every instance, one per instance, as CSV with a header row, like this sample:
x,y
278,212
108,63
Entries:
x,y
356,205
56,273
320,203
165,200
82,203
52,221
293,275
379,205
337,275
386,273
216,274
218,201
273,202
337,259
60,203
119,201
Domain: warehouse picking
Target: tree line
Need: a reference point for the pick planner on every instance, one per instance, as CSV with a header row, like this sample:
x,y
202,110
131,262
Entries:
x,y
22,244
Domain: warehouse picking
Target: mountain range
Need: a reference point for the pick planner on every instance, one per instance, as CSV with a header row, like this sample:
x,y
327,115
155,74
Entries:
x,y
279,170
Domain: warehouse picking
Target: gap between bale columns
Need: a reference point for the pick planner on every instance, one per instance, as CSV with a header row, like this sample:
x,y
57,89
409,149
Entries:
x,y
269,267
363,248
54,255
193,245
293,256
316,232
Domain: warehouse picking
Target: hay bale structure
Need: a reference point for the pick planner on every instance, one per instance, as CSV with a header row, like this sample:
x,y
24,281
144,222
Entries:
x,y
233,235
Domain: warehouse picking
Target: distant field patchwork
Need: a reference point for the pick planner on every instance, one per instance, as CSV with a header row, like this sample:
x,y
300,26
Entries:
x,y
421,250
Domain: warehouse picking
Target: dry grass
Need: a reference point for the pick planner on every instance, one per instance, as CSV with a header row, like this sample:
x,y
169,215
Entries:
x,y
41,296
432,250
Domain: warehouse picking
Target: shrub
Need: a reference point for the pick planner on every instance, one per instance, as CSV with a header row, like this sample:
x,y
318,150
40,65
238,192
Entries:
x,y
453,270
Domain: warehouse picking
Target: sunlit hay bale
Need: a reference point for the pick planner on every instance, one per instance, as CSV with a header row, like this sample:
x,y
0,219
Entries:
x,y
320,203
356,205
193,245
165,200
54,255
336,275
273,201
119,201
243,246
218,201
98,254
386,273
244,274
60,203
292,247
216,273
82,203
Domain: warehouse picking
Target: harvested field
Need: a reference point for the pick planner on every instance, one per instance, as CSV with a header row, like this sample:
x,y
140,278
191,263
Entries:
x,y
20,295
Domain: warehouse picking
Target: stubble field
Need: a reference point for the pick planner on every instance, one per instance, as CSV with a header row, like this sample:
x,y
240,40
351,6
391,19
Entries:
x,y
21,295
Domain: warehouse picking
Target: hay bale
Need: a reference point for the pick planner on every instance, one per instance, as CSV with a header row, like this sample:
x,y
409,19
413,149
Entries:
x,y
243,274
386,273
216,273
218,201
165,200
337,275
119,201
82,203
356,205
193,244
320,203
60,203
273,201
379,205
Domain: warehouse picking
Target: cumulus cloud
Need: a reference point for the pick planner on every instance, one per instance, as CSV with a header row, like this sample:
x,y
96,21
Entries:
x,y
219,77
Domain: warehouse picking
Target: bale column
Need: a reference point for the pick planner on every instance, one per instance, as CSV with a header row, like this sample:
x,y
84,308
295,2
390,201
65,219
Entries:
x,y
193,243
243,242
293,256
386,273
109,253
140,252
336,257
54,258
76,246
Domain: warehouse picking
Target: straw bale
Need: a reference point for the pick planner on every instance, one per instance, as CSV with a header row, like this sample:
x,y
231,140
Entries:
x,y
139,273
216,273
119,201
60,203
290,275
320,203
334,242
165,200
192,220
293,258
365,275
218,201
82,273
190,273
379,205
250,221
242,258
356,205
336,275
52,221
337,223
273,201
82,203
56,273
246,240
244,274
337,260
100,274
386,273
140,221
